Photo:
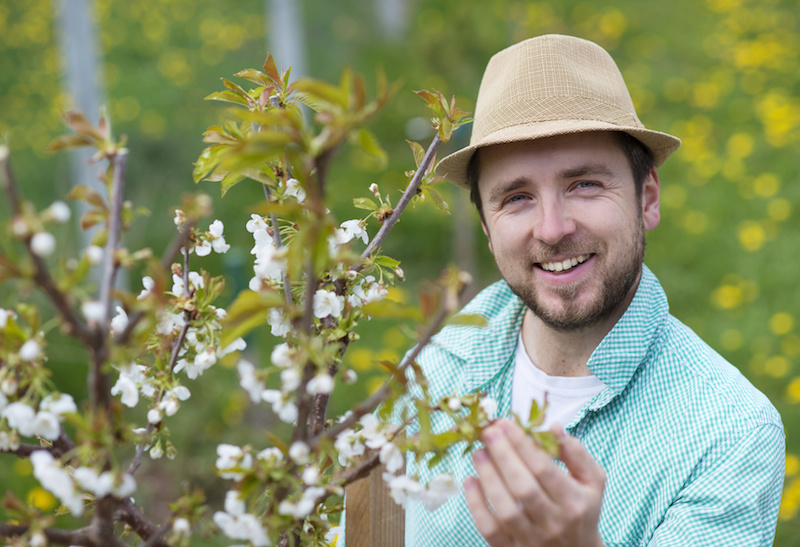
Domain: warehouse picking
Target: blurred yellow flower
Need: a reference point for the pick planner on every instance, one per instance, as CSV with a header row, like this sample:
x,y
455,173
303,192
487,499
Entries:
x,y
777,366
781,323
41,499
727,297
766,185
779,209
751,235
793,390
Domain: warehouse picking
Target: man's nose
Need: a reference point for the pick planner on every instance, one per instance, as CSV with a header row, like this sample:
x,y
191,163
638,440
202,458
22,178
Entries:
x,y
555,222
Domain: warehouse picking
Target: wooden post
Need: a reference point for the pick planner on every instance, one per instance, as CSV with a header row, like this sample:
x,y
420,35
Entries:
x,y
373,519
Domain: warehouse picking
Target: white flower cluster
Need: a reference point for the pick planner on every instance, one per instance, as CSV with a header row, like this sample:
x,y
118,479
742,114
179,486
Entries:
x,y
373,434
433,495
45,423
304,506
213,239
295,190
345,233
236,523
369,290
270,262
68,488
282,400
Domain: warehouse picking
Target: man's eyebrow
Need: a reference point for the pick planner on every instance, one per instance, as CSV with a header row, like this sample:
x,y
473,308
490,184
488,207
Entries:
x,y
584,170
503,189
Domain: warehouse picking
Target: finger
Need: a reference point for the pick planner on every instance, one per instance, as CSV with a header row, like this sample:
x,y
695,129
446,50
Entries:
x,y
512,516
579,462
485,521
530,474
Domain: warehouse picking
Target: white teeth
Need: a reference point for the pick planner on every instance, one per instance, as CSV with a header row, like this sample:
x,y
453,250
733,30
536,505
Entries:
x,y
565,265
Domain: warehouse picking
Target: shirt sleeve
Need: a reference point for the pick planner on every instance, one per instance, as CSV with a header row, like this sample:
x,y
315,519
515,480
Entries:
x,y
735,500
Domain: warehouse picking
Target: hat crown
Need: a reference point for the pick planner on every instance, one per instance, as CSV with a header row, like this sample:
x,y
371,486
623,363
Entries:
x,y
551,78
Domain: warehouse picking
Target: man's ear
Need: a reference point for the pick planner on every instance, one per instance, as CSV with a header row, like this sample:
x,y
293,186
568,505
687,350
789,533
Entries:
x,y
488,237
651,190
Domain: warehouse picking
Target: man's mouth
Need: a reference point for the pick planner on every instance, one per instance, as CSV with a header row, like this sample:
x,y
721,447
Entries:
x,y
565,265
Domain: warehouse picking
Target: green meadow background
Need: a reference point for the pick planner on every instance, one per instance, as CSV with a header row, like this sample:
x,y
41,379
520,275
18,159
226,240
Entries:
x,y
720,74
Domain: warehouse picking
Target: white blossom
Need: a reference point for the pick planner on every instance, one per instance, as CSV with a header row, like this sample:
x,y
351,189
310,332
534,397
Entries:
x,y
181,527
4,315
108,482
256,223
9,385
402,487
56,480
232,461
119,322
352,229
304,506
294,189
281,356
20,417
375,433
290,379
59,212
249,381
327,303
94,254
63,404
170,323
9,441
453,403
349,446
279,324
195,281
237,345
156,452
310,475
235,523
131,379
180,218
271,455
46,425
299,452
43,243
489,406
391,457
148,283
154,416
321,384
218,242
93,311
3,400
30,350
203,248
440,488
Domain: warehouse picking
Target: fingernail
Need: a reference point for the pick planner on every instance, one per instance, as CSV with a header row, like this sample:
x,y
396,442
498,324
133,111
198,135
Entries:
x,y
490,435
558,432
469,483
480,457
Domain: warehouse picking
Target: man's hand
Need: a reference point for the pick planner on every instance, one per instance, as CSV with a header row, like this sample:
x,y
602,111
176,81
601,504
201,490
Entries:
x,y
522,498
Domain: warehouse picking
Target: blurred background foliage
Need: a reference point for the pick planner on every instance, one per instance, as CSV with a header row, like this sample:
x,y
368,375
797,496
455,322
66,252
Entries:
x,y
720,74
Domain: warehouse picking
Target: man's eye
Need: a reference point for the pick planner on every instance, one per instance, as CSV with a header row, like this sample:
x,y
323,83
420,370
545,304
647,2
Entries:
x,y
515,198
587,184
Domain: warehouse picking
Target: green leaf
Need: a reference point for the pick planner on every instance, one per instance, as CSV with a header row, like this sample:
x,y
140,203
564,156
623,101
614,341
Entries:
x,y
272,71
445,130
247,312
386,262
468,320
441,204
428,97
229,181
238,90
66,142
90,196
228,96
322,91
444,440
418,150
365,203
255,76
370,145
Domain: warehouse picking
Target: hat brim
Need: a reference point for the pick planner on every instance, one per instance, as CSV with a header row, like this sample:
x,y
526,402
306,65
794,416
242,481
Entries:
x,y
454,167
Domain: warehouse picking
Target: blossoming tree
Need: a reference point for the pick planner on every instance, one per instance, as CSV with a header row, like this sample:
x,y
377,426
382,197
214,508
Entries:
x,y
312,283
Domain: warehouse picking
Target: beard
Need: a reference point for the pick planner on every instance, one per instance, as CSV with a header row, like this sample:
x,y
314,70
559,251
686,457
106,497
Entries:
x,y
616,281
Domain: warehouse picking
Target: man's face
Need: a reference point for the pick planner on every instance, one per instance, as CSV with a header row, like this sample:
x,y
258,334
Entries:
x,y
565,225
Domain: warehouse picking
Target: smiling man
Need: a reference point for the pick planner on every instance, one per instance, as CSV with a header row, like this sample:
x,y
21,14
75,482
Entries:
x,y
663,442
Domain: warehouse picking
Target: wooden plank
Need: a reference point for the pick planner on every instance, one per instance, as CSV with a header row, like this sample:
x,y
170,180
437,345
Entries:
x,y
373,519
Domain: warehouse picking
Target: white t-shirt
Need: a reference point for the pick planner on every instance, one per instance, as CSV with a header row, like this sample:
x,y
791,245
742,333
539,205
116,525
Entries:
x,y
566,395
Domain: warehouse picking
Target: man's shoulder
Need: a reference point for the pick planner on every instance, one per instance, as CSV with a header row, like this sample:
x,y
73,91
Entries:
x,y
443,359
698,371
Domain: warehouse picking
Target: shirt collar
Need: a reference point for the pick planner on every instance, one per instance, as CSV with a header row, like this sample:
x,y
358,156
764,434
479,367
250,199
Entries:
x,y
489,349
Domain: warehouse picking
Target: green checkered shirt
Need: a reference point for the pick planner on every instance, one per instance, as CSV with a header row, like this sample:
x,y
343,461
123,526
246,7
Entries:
x,y
693,452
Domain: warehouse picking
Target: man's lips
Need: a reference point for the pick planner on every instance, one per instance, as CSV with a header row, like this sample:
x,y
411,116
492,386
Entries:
x,y
564,265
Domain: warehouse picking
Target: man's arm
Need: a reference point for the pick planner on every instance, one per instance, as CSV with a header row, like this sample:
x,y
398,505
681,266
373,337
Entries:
x,y
735,500
533,502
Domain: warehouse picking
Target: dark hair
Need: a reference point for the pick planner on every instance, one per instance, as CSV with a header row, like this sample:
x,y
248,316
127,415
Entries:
x,y
640,160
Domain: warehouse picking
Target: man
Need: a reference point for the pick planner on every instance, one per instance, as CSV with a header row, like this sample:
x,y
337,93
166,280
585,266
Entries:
x,y
666,443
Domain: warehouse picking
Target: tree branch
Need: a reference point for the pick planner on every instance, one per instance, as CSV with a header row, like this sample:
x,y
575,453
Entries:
x,y
409,193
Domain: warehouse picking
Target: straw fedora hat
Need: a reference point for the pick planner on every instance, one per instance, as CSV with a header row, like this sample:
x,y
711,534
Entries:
x,y
551,85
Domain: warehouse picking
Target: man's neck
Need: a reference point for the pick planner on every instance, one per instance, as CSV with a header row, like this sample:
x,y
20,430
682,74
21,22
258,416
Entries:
x,y
566,353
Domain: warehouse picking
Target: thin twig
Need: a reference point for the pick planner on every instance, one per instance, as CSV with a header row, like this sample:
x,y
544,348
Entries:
x,y
55,536
409,193
385,390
